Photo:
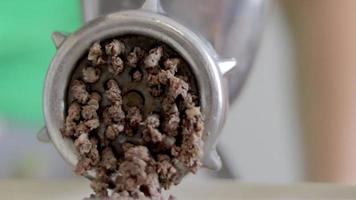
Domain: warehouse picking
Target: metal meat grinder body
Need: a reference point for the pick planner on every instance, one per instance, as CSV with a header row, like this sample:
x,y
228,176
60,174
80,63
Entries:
x,y
219,79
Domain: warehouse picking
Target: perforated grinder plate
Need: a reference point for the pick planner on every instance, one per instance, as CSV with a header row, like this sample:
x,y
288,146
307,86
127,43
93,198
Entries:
x,y
135,93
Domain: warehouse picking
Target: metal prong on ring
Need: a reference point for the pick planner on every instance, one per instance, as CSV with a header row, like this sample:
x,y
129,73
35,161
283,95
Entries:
x,y
153,5
211,160
43,136
226,65
58,38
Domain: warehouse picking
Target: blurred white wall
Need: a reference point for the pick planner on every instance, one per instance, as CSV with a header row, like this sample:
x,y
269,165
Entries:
x,y
262,137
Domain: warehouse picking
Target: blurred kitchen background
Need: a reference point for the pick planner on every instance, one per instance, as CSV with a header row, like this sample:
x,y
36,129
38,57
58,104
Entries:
x,y
261,142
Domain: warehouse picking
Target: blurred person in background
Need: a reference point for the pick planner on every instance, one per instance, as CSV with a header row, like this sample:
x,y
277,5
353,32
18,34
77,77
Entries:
x,y
325,34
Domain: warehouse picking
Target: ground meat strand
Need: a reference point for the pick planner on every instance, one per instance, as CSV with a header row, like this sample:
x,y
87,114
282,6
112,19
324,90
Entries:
x,y
112,131
154,56
134,57
83,165
134,116
171,124
171,65
117,66
73,112
152,120
133,172
81,128
100,188
178,87
72,116
95,54
168,174
89,111
153,79
191,149
92,124
151,134
115,113
108,160
113,93
91,74
79,91
83,144
94,156
115,48
164,76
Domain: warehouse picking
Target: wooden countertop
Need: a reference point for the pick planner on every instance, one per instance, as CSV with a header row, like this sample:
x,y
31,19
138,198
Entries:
x,y
188,190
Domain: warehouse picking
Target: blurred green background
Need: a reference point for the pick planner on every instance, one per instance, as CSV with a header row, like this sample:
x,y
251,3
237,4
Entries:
x,y
26,50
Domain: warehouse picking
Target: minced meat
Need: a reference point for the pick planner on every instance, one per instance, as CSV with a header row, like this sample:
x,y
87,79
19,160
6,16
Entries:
x,y
135,151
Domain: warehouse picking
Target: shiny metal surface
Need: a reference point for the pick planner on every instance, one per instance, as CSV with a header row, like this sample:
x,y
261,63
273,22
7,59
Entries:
x,y
233,27
197,52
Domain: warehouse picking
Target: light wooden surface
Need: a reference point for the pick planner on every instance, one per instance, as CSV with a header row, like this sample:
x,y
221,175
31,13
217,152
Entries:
x,y
189,190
